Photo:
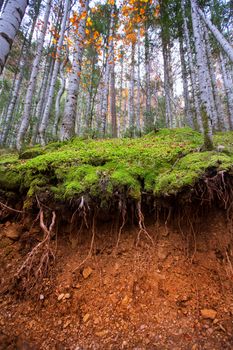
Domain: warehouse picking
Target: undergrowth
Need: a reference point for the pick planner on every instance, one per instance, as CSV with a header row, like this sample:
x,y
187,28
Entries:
x,y
160,164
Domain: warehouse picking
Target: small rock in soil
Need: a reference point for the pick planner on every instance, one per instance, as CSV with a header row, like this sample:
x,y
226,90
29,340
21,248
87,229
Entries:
x,y
86,318
208,313
87,272
13,232
60,297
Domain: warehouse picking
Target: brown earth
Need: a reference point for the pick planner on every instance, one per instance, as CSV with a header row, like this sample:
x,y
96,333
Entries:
x,y
176,294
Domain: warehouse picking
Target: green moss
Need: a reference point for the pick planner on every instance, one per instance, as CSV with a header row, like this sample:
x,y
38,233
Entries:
x,y
159,163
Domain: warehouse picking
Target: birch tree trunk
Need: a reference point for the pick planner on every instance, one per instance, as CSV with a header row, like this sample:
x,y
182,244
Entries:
x,y
109,57
138,118
33,78
167,84
45,118
131,110
192,70
58,98
148,121
205,105
14,97
113,101
228,88
187,106
226,46
68,122
217,101
10,21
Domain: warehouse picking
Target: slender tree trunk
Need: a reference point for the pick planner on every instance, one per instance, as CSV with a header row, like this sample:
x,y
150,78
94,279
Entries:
x,y
58,98
187,106
109,57
113,100
131,110
148,117
217,101
10,21
138,119
167,83
228,88
226,46
205,105
45,118
68,122
14,97
192,70
33,78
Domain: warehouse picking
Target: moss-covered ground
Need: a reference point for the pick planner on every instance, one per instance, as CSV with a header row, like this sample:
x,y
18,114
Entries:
x,y
160,163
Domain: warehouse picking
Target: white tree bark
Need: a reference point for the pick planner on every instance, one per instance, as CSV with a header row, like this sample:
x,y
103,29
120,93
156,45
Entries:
x,y
138,119
131,110
109,57
33,78
10,21
228,88
203,84
226,46
217,101
192,69
58,98
187,106
68,122
45,118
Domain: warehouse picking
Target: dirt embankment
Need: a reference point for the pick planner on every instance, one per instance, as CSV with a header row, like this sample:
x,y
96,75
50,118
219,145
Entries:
x,y
175,294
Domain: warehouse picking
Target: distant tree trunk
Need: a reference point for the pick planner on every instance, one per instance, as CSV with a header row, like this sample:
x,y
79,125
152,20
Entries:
x,y
131,110
121,95
226,46
45,118
33,78
14,97
227,81
68,122
203,84
10,21
113,100
138,119
168,83
187,106
148,117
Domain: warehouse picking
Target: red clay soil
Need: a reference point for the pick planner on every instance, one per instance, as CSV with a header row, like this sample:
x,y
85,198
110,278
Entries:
x,y
176,294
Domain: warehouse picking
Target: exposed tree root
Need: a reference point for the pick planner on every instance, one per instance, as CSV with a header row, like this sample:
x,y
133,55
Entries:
x,y
11,209
89,255
141,223
37,263
123,210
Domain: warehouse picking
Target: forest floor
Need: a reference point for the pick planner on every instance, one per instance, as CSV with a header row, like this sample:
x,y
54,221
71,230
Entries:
x,y
176,294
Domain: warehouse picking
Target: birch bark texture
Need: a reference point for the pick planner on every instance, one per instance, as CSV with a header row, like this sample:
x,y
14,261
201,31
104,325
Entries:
x,y
10,21
46,114
202,78
226,46
33,78
68,122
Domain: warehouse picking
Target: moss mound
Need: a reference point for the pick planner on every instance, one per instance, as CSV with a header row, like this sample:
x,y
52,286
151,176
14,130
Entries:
x,y
158,164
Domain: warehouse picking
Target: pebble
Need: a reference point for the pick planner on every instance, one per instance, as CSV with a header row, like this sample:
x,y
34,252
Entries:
x,y
87,272
60,297
86,318
208,313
